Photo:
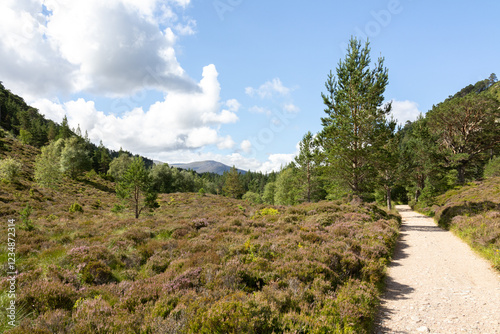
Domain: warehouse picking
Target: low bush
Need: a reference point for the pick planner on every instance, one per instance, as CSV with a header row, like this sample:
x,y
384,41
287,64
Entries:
x,y
75,207
10,169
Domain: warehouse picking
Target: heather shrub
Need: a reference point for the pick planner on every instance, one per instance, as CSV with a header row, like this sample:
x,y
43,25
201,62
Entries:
x,y
236,313
55,321
85,254
137,235
92,316
44,296
96,272
158,262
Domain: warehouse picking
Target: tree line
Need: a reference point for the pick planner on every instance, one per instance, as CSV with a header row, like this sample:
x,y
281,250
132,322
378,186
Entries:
x,y
360,149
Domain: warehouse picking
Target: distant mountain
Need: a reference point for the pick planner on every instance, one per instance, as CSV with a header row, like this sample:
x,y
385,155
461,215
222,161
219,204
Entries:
x,y
208,166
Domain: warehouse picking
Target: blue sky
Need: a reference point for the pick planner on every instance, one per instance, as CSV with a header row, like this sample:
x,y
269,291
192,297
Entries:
x,y
236,81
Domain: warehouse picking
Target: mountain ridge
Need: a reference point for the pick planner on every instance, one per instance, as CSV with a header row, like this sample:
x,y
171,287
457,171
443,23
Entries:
x,y
206,166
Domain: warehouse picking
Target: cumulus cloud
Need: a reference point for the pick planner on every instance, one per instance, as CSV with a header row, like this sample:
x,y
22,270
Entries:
x,y
405,111
268,89
276,161
246,146
182,121
114,47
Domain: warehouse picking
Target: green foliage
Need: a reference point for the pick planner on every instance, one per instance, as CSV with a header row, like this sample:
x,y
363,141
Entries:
x,y
492,168
25,218
162,178
232,186
252,197
307,163
117,208
136,188
269,192
287,192
10,169
74,158
25,136
267,212
75,207
118,167
47,167
354,114
466,127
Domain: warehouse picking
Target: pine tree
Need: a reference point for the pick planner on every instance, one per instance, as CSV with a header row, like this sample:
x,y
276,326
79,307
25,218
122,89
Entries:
x,y
135,186
233,186
466,128
64,131
306,164
354,109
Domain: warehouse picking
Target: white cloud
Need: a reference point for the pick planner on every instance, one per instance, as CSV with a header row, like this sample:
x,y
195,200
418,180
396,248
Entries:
x,y
183,120
246,146
105,47
276,161
291,108
233,105
226,143
260,110
405,111
268,89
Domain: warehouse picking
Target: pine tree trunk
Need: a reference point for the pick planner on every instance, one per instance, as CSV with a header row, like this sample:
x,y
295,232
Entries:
x,y
389,199
461,173
309,182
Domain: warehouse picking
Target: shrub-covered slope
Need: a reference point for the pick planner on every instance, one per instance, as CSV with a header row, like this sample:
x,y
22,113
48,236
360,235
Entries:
x,y
473,213
197,264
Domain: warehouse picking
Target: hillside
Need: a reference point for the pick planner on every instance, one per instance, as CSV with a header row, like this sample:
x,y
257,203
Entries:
x,y
473,213
208,166
197,264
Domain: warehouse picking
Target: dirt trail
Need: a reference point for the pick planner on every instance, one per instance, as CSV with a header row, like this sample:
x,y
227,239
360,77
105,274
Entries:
x,y
436,284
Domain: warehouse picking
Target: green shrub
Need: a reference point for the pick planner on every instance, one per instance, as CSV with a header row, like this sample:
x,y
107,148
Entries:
x,y
10,169
266,212
75,207
25,218
492,168
117,208
96,272
252,197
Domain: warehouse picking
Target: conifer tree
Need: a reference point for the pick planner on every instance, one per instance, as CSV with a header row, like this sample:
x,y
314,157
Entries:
x,y
354,109
135,187
306,164
232,185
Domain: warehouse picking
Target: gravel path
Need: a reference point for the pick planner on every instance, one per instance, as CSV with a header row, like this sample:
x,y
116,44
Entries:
x,y
436,284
